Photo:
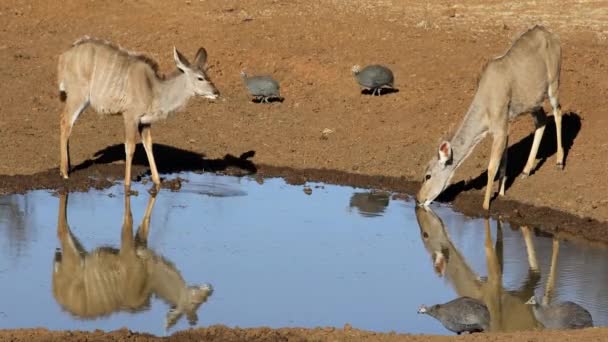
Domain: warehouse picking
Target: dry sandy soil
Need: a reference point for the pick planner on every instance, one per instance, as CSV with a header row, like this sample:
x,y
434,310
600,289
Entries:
x,y
435,48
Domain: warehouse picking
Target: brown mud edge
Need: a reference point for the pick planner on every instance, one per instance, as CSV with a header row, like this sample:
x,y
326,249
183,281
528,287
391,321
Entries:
x,y
547,220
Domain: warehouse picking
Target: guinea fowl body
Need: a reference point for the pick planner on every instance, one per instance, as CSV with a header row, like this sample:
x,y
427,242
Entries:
x,y
463,314
261,87
374,77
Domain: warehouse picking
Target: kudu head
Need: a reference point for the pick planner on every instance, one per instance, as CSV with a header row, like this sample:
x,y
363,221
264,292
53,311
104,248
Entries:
x,y
192,299
433,236
437,174
198,82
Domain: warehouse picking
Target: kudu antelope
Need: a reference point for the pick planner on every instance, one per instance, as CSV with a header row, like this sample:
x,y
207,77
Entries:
x,y
115,81
107,280
514,83
508,311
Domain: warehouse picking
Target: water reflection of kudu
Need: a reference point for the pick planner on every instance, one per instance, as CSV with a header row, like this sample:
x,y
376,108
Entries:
x,y
107,280
508,310
371,203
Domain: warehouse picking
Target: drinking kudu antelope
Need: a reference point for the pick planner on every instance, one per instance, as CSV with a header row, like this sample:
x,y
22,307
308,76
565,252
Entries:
x,y
115,81
514,83
107,280
508,309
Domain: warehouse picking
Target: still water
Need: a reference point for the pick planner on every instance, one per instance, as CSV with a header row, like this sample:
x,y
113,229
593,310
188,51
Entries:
x,y
228,250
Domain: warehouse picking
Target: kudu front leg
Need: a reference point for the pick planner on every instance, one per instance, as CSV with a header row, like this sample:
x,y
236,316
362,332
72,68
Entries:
x,y
146,138
499,144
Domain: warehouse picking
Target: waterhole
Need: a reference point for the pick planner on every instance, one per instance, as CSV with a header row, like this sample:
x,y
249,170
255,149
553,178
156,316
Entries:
x,y
243,252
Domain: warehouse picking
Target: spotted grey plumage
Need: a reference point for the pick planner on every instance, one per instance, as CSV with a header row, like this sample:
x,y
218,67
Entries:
x,y
374,77
463,314
262,88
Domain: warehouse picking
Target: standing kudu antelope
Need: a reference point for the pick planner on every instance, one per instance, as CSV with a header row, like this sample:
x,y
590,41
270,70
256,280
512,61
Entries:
x,y
106,280
115,81
515,83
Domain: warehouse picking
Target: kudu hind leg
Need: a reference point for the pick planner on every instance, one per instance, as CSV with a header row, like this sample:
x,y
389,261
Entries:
x,y
540,118
503,169
72,110
499,144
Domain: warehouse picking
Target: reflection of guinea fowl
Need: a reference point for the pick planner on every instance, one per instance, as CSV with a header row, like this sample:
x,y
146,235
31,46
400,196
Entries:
x,y
107,280
371,203
561,315
508,311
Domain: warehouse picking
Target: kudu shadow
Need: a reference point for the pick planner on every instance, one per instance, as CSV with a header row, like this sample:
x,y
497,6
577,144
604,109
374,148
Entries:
x,y
170,159
508,309
97,283
383,91
518,156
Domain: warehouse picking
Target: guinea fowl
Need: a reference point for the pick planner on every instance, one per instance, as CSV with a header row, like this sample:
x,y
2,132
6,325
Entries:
x,y
263,88
463,314
374,77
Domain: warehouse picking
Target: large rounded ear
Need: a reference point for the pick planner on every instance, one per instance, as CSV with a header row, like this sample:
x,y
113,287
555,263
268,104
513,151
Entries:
x,y
201,58
445,153
180,61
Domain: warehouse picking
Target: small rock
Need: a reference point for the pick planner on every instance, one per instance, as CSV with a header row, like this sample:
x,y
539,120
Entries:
x,y
423,24
307,190
325,133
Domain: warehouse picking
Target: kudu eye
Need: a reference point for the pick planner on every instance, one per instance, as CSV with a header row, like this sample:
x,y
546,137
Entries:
x,y
427,177
201,79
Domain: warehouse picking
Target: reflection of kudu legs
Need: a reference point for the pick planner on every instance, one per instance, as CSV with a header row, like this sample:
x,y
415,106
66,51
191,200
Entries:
x,y
493,295
144,228
525,231
71,249
550,286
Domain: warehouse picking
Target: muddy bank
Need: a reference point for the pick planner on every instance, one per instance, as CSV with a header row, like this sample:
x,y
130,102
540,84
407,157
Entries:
x,y
225,334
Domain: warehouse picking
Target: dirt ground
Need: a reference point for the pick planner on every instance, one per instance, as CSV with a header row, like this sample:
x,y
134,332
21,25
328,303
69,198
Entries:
x,y
435,48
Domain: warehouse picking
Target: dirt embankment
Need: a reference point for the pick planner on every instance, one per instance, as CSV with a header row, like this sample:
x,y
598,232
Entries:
x,y
224,334
435,48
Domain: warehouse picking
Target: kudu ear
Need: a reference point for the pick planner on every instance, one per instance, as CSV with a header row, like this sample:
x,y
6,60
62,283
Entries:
x,y
201,58
180,61
445,153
